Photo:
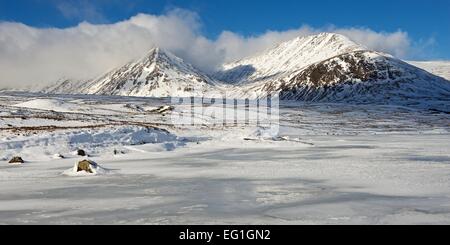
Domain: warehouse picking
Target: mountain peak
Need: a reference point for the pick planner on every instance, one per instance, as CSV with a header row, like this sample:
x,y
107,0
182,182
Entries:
x,y
160,57
156,50
158,73
331,35
325,40
288,57
324,35
156,53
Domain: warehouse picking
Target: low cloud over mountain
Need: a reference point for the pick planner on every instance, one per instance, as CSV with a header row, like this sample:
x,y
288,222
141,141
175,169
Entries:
x,y
30,56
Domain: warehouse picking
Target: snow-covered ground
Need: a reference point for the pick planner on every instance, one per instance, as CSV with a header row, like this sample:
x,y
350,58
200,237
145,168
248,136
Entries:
x,y
332,164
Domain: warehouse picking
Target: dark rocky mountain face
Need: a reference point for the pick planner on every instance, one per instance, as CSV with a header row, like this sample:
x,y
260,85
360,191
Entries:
x,y
363,76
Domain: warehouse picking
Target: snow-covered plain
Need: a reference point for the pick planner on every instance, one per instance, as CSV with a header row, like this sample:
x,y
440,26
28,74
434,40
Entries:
x,y
332,164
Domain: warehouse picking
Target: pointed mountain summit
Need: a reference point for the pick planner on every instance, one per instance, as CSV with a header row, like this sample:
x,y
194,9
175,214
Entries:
x,y
287,58
159,73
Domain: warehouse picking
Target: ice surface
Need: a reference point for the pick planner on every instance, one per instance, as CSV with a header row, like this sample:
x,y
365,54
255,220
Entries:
x,y
331,164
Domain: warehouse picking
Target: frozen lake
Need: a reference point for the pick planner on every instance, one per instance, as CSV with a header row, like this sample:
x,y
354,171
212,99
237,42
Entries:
x,y
348,164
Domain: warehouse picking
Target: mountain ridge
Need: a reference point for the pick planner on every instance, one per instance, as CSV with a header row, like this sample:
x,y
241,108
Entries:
x,y
159,73
287,57
325,67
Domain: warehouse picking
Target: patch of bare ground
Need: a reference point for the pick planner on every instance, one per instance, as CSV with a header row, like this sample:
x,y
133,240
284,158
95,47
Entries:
x,y
50,128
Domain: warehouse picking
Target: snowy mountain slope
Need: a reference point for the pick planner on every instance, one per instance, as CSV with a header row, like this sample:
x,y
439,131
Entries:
x,y
329,67
438,68
158,74
287,58
325,67
66,86
361,77
365,76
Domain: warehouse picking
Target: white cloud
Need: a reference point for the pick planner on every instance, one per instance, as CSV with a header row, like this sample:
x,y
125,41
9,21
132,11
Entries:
x,y
396,43
31,55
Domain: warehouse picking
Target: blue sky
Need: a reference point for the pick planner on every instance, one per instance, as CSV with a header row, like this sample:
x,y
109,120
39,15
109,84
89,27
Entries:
x,y
424,21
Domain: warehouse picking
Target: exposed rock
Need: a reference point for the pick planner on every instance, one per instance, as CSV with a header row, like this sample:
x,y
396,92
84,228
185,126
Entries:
x,y
117,152
58,156
16,160
134,107
163,109
87,166
361,76
81,153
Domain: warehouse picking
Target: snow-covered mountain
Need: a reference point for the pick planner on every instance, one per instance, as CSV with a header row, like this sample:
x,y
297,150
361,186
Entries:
x,y
157,74
325,67
286,58
363,77
65,86
331,68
